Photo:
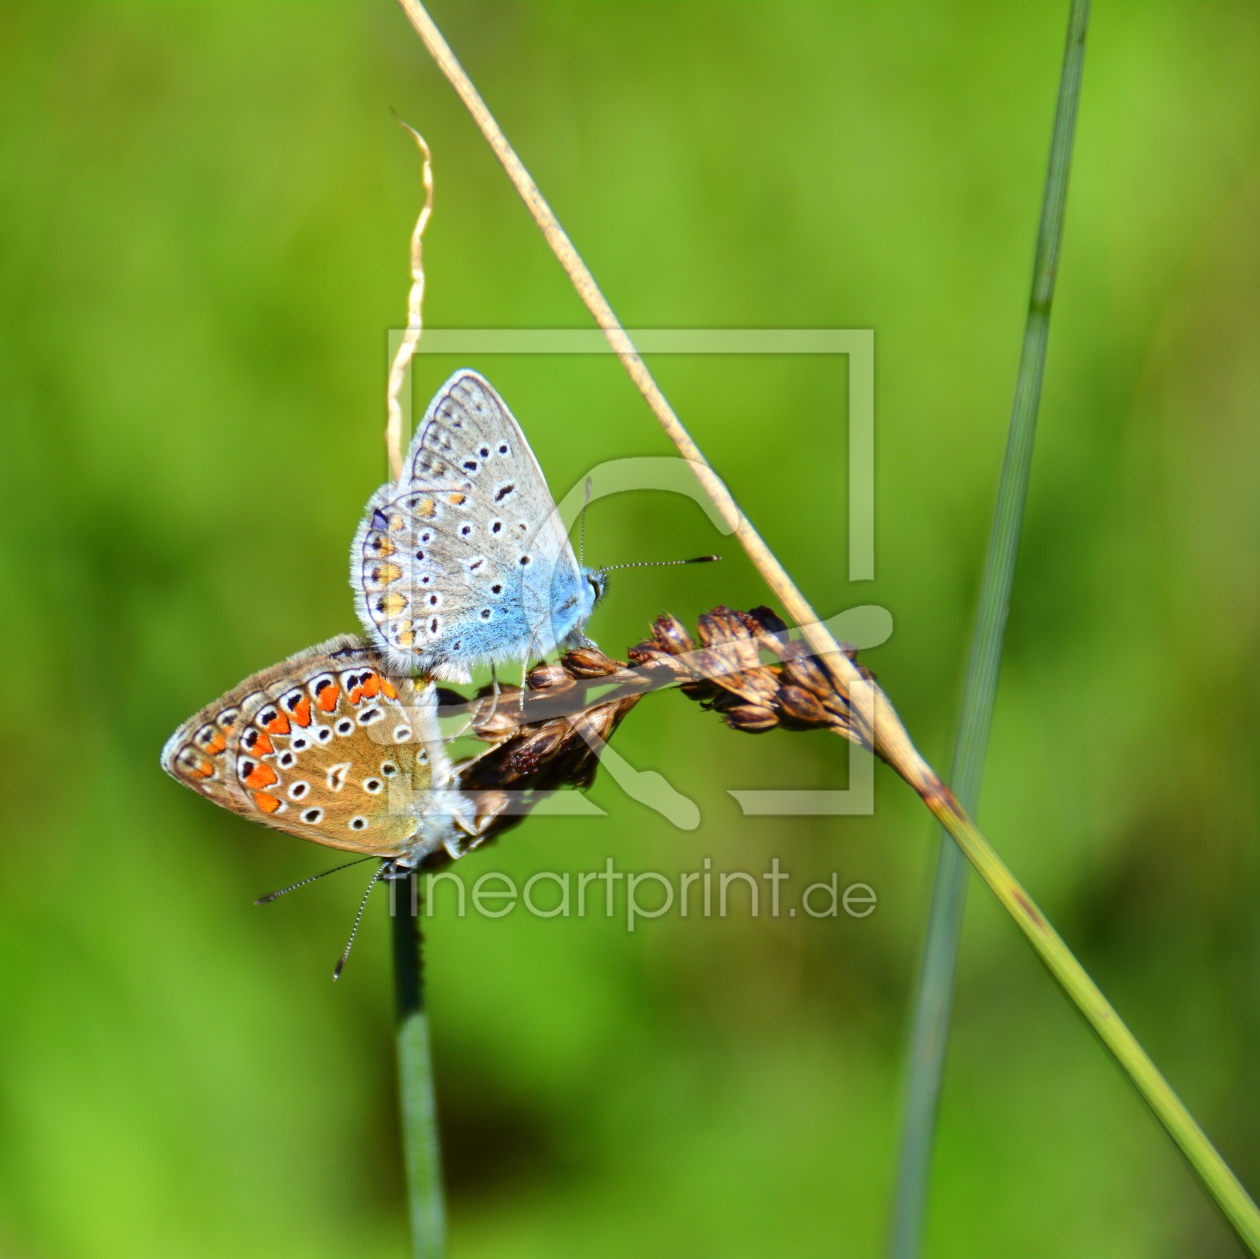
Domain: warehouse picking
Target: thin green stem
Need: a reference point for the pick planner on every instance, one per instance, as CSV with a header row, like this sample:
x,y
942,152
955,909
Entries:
x,y
1167,1107
422,1160
933,998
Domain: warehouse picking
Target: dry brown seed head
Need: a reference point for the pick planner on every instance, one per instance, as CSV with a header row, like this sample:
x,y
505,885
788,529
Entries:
x,y
670,635
808,674
544,677
802,706
590,662
751,718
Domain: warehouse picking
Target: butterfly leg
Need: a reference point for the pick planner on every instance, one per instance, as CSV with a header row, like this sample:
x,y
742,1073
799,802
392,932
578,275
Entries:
x,y
524,688
475,718
494,683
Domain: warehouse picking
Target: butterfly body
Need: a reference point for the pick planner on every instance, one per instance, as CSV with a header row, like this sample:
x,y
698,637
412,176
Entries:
x,y
328,746
464,560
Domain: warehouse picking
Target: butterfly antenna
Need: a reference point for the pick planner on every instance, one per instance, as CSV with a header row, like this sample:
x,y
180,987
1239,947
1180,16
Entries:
x,y
582,523
358,918
271,896
699,559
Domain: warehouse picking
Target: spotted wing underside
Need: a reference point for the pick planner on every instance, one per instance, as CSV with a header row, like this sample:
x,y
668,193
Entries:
x,y
465,559
326,746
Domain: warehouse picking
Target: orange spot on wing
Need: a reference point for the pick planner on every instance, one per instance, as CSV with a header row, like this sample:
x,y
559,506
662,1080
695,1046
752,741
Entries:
x,y
267,802
279,724
326,697
457,500
302,711
198,768
261,776
262,745
387,689
372,686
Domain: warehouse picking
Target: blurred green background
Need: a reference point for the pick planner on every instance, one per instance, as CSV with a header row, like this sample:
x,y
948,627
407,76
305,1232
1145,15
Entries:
x,y
202,244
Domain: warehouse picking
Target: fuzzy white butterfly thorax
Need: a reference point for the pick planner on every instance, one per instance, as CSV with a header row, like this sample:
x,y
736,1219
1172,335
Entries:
x,y
329,747
464,560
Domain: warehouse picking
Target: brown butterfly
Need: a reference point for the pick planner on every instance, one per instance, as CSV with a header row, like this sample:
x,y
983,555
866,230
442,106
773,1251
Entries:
x,y
330,747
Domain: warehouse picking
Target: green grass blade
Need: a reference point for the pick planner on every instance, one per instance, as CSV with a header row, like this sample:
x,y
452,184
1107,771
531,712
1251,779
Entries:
x,y
1224,1187
934,993
422,1162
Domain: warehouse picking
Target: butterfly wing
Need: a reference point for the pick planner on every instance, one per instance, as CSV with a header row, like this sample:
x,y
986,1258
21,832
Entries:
x,y
328,747
465,560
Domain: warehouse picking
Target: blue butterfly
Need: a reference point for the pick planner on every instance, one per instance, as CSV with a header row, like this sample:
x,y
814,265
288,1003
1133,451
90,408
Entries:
x,y
464,560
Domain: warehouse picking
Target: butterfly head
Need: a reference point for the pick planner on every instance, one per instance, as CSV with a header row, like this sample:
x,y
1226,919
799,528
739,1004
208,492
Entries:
x,y
596,580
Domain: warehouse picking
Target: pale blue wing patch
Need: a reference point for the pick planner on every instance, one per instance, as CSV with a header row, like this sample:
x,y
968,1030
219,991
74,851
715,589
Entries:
x,y
465,561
